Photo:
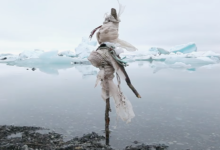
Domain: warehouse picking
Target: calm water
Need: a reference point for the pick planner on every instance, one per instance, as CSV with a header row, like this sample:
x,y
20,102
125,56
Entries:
x,y
178,107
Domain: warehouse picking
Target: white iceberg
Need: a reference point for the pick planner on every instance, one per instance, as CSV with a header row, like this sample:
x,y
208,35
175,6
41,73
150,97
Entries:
x,y
67,53
30,54
84,49
4,58
156,50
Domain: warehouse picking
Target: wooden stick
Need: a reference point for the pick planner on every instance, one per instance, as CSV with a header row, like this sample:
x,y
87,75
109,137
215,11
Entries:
x,y
107,120
114,13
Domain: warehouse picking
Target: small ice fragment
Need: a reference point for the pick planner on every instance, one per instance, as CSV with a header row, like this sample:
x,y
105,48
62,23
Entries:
x,y
86,70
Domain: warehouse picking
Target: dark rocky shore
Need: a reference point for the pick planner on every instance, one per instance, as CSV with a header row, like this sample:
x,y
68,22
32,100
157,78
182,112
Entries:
x,y
36,138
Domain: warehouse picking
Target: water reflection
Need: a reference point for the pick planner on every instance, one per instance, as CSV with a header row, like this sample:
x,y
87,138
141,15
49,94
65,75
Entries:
x,y
86,69
180,108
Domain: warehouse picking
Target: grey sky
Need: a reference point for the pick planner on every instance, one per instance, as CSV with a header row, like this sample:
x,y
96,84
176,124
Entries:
x,y
60,24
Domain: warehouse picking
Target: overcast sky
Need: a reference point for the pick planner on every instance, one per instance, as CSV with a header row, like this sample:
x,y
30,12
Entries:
x,y
60,24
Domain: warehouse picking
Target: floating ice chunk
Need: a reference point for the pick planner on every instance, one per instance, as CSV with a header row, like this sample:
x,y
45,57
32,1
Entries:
x,y
67,53
30,54
184,48
49,54
211,54
179,49
24,55
4,58
157,50
48,62
181,56
52,57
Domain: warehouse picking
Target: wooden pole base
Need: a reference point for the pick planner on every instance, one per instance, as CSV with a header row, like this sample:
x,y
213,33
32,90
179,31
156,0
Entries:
x,y
107,120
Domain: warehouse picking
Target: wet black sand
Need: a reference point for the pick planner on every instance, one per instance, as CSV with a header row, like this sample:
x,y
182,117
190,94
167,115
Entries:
x,y
36,138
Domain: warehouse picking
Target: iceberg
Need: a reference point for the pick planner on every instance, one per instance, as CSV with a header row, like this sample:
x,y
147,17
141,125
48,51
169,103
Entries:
x,y
184,48
67,53
179,49
47,62
157,50
183,56
51,61
4,58
30,54
84,49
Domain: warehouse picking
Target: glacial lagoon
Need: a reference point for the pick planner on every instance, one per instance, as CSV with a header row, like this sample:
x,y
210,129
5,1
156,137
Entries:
x,y
179,104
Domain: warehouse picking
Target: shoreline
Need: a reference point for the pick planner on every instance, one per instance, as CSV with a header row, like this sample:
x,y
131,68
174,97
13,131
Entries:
x,y
37,138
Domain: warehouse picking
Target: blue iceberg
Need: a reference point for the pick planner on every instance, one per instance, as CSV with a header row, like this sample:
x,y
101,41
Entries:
x,y
184,48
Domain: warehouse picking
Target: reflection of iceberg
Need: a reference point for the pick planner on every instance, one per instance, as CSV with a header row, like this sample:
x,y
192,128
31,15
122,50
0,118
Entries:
x,y
177,65
86,70
190,63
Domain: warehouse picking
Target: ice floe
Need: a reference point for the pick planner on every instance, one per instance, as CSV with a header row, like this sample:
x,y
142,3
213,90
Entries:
x,y
183,56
